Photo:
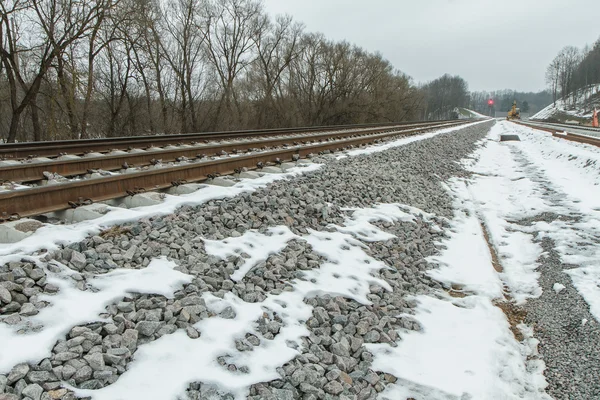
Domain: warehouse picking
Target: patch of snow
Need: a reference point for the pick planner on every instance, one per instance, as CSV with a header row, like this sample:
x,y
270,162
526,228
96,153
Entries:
x,y
252,245
359,224
466,350
467,247
71,307
587,283
558,287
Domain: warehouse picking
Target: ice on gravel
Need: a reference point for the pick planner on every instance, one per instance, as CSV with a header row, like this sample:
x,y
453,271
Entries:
x,y
72,307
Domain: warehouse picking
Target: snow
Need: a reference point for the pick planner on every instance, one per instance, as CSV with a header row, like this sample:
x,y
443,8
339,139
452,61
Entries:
x,y
558,287
511,181
252,244
587,282
404,141
501,191
71,307
347,272
465,112
466,350
571,172
359,225
484,359
467,247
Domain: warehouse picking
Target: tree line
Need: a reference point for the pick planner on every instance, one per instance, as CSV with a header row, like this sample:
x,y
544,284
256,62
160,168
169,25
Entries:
x,y
95,68
528,102
573,73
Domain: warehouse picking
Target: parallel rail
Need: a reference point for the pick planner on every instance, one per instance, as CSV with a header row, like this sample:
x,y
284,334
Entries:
x,y
83,146
39,200
569,126
563,134
28,172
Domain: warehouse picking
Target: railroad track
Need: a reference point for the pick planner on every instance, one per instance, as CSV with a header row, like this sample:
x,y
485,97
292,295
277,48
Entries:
x,y
567,127
29,171
28,150
562,133
33,201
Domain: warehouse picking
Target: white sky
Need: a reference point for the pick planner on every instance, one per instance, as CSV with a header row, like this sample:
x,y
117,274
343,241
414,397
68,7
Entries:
x,y
492,44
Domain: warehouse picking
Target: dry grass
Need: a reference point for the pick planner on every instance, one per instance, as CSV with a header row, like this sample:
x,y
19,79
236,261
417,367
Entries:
x,y
114,232
515,316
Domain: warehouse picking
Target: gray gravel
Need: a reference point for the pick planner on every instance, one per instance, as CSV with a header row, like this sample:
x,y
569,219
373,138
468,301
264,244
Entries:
x,y
334,362
568,347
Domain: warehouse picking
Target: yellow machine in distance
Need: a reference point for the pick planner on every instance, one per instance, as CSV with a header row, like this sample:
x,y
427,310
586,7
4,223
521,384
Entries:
x,y
514,113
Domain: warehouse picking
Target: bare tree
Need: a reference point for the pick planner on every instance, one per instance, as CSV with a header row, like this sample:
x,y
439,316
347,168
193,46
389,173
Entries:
x,y
231,27
52,25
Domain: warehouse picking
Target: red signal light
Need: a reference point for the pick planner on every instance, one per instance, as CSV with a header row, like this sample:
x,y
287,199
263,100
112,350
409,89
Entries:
x,y
490,102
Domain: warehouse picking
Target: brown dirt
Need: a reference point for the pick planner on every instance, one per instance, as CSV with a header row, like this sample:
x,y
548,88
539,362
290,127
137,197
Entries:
x,y
495,259
514,313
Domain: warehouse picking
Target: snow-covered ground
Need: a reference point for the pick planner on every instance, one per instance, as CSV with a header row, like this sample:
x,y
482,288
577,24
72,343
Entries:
x,y
579,107
467,113
518,180
512,181
565,177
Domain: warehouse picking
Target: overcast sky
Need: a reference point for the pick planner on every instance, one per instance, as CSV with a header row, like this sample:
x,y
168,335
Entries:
x,y
492,44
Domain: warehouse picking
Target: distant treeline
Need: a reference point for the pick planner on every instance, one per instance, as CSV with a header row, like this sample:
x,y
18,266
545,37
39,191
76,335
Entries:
x,y
528,102
573,72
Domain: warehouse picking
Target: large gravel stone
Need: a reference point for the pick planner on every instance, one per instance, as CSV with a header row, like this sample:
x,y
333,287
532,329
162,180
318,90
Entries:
x,y
18,372
78,260
147,328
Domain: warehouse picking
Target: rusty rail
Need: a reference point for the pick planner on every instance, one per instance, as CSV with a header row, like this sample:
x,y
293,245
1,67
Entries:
x,y
79,147
27,172
39,200
574,137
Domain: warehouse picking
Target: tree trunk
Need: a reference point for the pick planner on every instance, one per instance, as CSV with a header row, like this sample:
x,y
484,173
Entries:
x,y
14,126
35,120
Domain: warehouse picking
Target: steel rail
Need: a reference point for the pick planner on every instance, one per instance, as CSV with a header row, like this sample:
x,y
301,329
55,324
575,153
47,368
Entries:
x,y
39,200
571,126
574,137
78,147
28,172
